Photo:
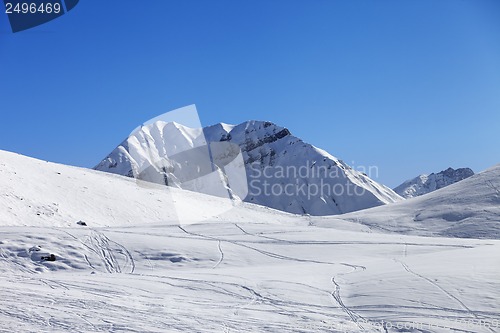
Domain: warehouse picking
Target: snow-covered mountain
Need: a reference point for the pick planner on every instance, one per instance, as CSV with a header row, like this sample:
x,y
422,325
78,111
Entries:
x,y
424,183
279,170
469,208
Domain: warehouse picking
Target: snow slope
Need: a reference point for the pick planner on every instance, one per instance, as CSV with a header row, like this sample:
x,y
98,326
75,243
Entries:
x,y
424,184
40,193
469,208
282,171
136,267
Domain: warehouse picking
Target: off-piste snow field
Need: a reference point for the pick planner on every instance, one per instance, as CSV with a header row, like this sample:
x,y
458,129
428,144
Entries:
x,y
135,268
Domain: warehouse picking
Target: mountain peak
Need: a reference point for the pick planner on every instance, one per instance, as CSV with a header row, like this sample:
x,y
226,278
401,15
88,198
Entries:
x,y
424,183
281,170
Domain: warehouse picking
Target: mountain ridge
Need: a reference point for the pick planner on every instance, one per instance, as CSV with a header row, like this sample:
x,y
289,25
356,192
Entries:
x,y
264,147
468,209
424,183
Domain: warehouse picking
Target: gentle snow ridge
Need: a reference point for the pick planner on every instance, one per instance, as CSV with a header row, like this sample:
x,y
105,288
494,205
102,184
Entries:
x,y
40,193
468,208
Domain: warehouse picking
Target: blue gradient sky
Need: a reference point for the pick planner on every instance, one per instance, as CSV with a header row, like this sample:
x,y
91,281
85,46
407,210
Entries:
x,y
408,86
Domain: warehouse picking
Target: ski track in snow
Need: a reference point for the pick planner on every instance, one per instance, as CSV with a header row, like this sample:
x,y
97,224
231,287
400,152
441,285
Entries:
x,y
288,293
266,253
221,254
353,315
107,250
447,293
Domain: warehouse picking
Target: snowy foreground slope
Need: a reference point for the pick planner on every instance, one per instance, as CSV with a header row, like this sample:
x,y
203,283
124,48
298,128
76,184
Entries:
x,y
469,208
282,171
424,184
136,268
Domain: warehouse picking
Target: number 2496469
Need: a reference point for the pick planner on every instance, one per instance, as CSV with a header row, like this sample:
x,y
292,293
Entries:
x,y
32,8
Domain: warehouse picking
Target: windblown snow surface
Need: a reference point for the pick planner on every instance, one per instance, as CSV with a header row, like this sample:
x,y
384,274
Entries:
x,y
135,268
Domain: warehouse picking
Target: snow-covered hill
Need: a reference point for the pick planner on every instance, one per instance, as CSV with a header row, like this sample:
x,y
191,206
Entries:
x,y
424,184
469,208
40,193
282,171
136,267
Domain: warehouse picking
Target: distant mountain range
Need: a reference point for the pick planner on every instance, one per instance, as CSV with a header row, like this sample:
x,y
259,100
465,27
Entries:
x,y
424,184
282,171
469,209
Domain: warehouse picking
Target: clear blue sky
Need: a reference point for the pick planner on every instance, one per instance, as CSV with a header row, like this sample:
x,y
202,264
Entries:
x,y
408,86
